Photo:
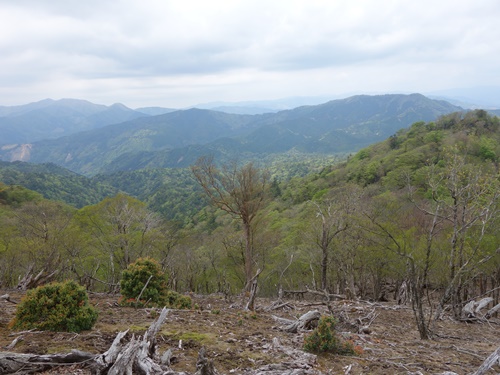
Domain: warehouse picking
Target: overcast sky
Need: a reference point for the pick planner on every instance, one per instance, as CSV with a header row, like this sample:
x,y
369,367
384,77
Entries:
x,y
183,52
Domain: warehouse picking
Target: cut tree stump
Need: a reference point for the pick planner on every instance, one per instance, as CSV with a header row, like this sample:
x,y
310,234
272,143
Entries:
x,y
204,366
138,355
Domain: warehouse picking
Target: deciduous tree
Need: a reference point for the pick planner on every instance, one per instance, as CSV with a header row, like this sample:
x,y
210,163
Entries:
x,y
240,191
123,228
334,211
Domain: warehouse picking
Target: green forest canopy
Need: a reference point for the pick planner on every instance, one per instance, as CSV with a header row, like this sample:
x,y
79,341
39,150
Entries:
x,y
423,201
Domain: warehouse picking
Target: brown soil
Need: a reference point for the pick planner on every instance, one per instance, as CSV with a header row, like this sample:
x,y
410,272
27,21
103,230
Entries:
x,y
238,341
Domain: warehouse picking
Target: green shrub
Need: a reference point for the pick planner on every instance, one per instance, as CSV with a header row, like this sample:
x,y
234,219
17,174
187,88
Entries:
x,y
156,293
135,277
55,307
178,301
325,339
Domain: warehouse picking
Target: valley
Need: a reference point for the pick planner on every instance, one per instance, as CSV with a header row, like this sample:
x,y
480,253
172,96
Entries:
x,y
389,203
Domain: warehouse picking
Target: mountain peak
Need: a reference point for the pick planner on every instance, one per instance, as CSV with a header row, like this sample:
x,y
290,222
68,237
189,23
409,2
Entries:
x,y
120,106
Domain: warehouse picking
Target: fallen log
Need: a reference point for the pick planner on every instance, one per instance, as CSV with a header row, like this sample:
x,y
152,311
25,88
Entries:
x,y
6,297
30,281
14,342
138,356
489,362
328,296
18,363
278,305
299,362
299,294
305,323
471,310
492,311
300,356
483,303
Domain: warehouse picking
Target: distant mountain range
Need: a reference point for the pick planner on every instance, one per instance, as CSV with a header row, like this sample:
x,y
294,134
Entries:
x,y
178,138
482,97
55,118
256,107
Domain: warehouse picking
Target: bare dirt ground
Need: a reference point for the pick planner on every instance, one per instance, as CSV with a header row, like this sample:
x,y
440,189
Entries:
x,y
239,341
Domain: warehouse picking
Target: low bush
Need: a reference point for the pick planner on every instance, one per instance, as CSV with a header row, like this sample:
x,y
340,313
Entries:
x,y
324,338
55,307
134,280
145,276
176,300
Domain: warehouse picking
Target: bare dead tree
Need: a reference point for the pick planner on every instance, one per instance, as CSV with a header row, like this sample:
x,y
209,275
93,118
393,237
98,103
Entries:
x,y
397,237
465,200
240,191
335,213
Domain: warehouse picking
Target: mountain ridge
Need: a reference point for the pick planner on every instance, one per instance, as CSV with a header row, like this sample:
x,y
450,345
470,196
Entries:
x,y
177,138
50,118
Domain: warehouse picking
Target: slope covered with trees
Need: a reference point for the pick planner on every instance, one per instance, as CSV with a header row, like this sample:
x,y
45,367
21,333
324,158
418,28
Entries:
x,y
55,183
172,192
179,138
414,214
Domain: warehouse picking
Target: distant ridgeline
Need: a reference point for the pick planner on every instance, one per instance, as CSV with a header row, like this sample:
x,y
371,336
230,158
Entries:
x,y
394,203
146,157
176,139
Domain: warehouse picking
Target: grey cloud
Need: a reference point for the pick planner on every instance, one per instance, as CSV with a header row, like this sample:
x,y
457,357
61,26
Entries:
x,y
67,42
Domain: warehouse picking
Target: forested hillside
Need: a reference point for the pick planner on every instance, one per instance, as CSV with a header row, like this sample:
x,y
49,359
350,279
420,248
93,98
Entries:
x,y
172,192
56,118
418,211
55,183
177,139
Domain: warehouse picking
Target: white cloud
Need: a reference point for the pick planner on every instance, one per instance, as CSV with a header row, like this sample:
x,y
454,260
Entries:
x,y
177,53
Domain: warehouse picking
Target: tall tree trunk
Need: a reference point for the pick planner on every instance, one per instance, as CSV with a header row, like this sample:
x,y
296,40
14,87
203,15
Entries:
x,y
417,292
324,269
325,244
248,257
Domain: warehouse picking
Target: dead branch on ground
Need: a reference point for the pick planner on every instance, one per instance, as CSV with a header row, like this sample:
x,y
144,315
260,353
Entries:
x,y
489,362
304,323
138,356
6,297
